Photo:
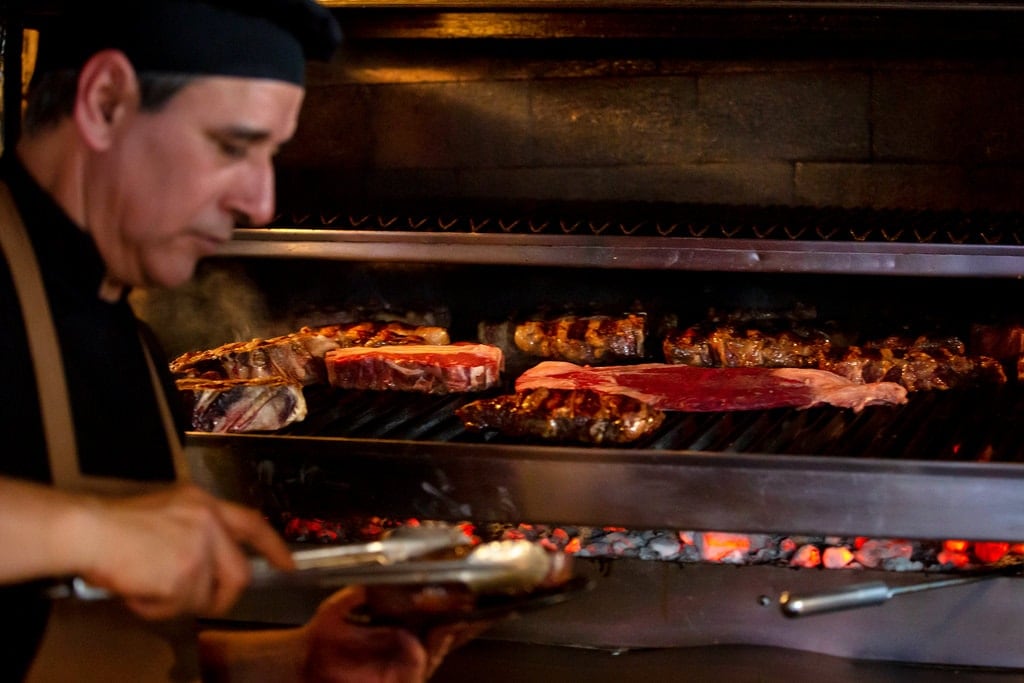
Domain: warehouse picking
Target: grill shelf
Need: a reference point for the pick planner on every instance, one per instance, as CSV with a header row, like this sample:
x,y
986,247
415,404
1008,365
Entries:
x,y
962,425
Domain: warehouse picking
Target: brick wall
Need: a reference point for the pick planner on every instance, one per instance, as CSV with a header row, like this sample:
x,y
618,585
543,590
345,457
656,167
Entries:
x,y
431,121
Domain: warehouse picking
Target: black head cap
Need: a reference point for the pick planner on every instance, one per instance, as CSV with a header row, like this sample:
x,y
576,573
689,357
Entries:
x,y
248,38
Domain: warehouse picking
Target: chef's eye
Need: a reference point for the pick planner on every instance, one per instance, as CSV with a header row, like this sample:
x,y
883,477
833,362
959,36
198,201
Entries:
x,y
233,150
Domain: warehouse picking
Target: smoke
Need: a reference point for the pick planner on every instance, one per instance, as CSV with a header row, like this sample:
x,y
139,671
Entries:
x,y
220,304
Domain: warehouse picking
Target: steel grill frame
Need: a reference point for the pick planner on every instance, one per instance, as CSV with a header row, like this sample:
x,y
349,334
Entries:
x,y
900,452
945,465
955,426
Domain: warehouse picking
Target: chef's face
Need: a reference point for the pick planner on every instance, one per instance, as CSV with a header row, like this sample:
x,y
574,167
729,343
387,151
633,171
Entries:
x,y
179,179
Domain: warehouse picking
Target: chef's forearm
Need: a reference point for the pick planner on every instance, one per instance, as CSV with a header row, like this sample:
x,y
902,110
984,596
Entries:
x,y
41,530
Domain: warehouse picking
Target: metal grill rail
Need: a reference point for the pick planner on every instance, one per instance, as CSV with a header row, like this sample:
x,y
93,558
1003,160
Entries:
x,y
964,425
699,221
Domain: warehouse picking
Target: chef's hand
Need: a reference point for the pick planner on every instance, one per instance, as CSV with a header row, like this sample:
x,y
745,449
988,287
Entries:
x,y
179,551
339,651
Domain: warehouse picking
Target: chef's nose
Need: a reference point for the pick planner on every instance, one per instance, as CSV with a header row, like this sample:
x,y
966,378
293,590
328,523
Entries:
x,y
253,198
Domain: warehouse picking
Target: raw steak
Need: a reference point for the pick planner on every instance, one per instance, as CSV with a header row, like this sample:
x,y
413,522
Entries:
x,y
687,388
432,369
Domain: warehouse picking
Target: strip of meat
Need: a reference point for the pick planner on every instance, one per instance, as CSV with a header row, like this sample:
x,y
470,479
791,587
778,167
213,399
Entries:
x,y
426,368
242,405
687,388
564,415
584,339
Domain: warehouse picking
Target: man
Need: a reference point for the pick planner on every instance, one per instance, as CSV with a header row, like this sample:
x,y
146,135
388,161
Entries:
x,y
149,135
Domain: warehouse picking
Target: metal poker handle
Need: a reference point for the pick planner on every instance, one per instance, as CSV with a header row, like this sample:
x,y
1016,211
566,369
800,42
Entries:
x,y
865,595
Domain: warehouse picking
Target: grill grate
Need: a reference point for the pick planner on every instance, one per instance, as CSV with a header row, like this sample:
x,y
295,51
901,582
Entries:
x,y
969,425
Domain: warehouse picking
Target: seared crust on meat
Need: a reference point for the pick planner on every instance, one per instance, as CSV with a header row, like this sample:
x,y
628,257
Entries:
x,y
731,347
584,339
917,363
565,415
299,356
374,333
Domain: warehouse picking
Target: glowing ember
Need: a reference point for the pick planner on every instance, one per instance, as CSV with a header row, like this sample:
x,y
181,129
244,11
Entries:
x,y
836,557
806,556
991,551
685,546
724,547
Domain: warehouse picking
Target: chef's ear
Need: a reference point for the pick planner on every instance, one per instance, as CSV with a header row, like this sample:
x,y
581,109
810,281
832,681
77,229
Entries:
x,y
108,91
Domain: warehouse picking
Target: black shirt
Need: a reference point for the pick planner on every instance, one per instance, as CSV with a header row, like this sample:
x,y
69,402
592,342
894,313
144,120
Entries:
x,y
118,428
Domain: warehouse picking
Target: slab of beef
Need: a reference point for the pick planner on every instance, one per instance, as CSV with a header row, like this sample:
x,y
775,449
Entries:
x,y
427,368
732,347
594,339
916,368
917,363
564,415
298,356
688,388
242,405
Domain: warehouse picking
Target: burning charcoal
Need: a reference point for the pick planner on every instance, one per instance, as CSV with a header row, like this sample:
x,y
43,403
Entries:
x,y
723,547
806,556
837,557
875,552
663,545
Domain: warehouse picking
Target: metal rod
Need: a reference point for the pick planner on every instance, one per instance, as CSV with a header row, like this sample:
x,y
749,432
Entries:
x,y
868,594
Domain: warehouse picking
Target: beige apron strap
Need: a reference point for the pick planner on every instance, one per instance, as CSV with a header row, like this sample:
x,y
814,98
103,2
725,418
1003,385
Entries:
x,y
173,440
54,404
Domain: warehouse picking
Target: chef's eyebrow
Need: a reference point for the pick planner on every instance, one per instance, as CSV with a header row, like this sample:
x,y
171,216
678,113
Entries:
x,y
243,133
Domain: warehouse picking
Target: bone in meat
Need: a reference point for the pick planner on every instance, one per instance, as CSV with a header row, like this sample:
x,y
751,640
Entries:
x,y
694,389
242,405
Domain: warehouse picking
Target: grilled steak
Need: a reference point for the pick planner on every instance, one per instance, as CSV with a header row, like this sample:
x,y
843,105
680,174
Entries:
x,y
687,388
418,367
917,363
916,369
583,339
299,356
727,346
242,405
564,415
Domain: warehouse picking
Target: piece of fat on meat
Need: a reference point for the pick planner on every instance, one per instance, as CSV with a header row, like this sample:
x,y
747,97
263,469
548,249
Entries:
x,y
427,368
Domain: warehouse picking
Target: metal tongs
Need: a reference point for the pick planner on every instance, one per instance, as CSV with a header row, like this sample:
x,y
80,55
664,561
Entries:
x,y
399,558
877,592
493,566
401,545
